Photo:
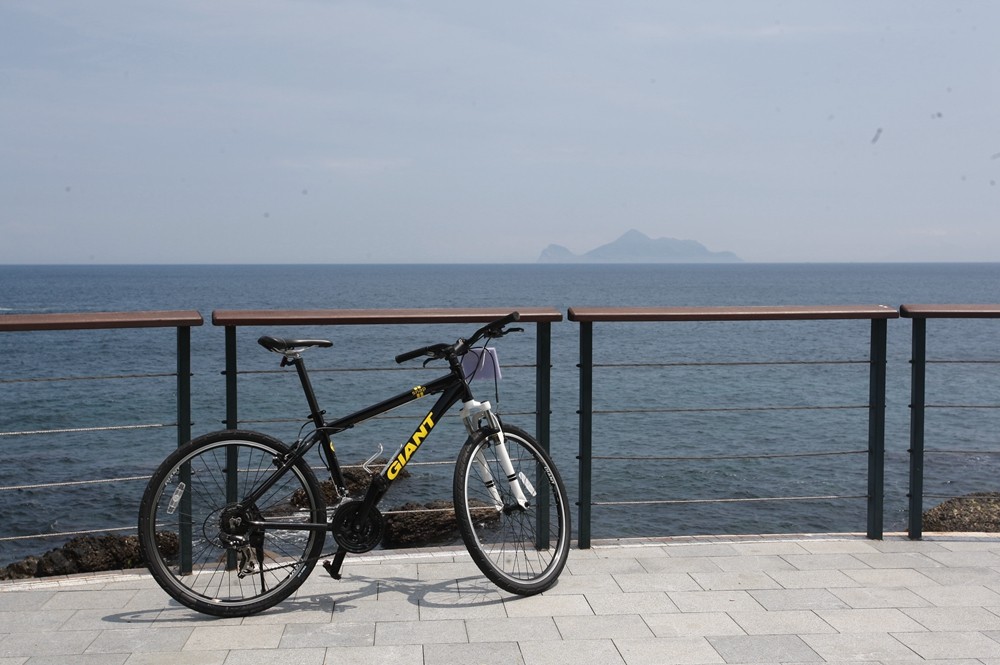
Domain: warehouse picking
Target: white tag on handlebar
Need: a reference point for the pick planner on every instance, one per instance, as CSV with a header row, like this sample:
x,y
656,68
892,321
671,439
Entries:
x,y
481,364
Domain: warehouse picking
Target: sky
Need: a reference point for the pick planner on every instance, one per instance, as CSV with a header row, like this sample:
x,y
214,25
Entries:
x,y
449,131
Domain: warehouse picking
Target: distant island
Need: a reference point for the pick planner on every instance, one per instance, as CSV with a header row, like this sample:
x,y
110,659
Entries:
x,y
637,247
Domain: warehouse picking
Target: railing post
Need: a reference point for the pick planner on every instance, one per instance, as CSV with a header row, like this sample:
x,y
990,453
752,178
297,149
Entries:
x,y
586,430
231,396
543,408
876,429
918,366
232,421
183,436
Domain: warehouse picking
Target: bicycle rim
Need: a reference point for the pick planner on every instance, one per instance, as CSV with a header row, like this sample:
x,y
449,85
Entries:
x,y
521,550
238,570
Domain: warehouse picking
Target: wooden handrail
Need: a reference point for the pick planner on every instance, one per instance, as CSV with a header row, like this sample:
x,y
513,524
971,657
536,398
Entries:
x,y
100,320
743,313
341,317
950,311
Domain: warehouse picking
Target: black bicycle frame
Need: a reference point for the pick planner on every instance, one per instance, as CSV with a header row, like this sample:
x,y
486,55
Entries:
x,y
452,387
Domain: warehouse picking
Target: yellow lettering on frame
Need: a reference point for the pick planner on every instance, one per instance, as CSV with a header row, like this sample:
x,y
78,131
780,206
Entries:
x,y
411,446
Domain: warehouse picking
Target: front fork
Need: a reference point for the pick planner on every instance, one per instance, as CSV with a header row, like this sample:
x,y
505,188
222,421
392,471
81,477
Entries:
x,y
479,416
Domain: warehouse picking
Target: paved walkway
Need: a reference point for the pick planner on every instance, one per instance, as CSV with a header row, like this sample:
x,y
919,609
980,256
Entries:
x,y
793,599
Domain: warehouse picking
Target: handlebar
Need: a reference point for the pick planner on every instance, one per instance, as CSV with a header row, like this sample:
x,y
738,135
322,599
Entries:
x,y
491,330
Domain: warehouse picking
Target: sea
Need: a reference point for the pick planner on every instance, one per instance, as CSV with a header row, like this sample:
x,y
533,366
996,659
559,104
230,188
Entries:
x,y
688,416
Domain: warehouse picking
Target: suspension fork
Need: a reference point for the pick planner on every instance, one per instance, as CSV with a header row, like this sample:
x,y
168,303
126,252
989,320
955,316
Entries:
x,y
479,416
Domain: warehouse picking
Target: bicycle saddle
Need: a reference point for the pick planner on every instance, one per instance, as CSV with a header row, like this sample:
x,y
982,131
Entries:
x,y
286,346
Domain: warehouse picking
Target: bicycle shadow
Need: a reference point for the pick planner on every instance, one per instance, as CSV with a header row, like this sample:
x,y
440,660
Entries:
x,y
462,595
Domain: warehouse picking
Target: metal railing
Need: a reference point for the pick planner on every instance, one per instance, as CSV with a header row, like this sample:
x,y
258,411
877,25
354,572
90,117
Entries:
x,y
182,321
586,317
918,406
877,314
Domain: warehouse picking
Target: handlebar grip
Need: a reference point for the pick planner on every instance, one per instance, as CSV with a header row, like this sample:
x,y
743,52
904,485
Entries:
x,y
410,355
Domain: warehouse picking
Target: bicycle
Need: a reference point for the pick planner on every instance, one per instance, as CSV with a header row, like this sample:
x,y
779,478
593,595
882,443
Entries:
x,y
233,522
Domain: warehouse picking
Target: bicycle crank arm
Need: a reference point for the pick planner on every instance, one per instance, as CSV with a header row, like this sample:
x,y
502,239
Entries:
x,y
333,567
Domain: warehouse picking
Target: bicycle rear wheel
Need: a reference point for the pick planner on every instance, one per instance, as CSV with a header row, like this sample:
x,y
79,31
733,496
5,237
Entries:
x,y
521,549
196,536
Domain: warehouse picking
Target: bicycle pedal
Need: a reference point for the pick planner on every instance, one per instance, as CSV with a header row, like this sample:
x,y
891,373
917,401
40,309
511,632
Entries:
x,y
328,565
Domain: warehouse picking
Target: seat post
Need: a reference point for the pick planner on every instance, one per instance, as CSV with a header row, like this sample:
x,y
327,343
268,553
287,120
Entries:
x,y
314,411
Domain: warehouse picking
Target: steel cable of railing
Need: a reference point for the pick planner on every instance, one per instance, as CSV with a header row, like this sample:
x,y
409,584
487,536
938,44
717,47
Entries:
x,y
711,458
144,478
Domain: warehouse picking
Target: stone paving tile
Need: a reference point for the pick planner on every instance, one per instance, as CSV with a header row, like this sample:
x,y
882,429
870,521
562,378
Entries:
x,y
180,658
577,584
481,653
890,577
602,627
988,577
698,624
714,601
582,652
210,638
17,601
88,600
618,566
931,645
967,559
434,607
764,649
313,656
338,634
138,641
547,606
420,632
668,651
798,599
779,548
364,611
687,564
49,643
732,581
812,579
837,546
751,563
947,619
702,550
879,597
899,560
959,596
34,620
657,582
860,646
824,561
518,629
782,622
642,602
888,620
404,654
77,659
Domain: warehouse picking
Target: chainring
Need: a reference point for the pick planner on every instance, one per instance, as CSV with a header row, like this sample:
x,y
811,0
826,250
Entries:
x,y
353,536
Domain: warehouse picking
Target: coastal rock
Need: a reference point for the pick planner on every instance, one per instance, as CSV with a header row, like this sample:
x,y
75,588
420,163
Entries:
x,y
86,554
427,524
979,511
420,525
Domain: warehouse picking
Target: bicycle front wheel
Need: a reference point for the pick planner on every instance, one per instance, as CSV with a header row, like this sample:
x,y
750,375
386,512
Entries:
x,y
517,529
209,548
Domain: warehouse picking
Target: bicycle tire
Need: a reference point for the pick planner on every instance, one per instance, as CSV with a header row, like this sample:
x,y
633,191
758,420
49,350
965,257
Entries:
x,y
521,550
215,576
